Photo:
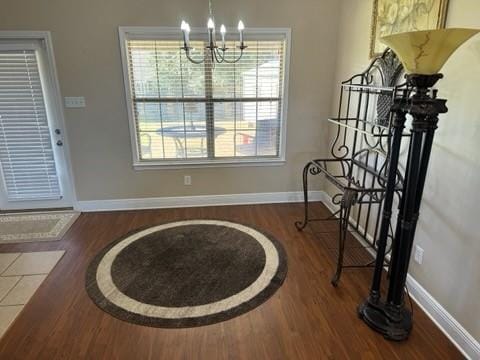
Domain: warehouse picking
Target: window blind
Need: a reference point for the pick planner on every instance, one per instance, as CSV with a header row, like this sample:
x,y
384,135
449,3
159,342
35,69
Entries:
x,y
26,154
210,111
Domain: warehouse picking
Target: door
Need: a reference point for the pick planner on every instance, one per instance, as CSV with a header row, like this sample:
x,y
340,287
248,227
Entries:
x,y
33,166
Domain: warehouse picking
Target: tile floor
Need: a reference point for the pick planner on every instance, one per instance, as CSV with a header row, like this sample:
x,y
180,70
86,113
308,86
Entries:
x,y
21,274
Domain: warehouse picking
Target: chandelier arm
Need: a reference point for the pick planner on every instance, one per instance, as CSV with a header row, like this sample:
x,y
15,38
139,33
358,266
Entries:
x,y
218,55
235,60
187,54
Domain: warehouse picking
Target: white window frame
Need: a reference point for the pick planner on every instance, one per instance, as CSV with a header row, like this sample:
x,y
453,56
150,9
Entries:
x,y
141,33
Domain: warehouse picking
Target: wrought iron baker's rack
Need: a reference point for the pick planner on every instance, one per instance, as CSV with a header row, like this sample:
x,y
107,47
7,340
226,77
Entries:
x,y
359,155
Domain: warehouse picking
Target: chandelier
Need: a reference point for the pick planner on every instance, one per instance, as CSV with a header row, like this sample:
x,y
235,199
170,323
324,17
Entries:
x,y
212,51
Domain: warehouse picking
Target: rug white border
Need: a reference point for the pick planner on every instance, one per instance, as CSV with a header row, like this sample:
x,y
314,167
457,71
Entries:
x,y
111,292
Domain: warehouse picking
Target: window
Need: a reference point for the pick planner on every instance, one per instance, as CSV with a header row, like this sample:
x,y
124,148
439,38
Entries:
x,y
26,154
185,113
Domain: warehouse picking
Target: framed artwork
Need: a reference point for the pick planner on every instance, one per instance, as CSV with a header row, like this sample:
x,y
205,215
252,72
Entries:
x,y
395,16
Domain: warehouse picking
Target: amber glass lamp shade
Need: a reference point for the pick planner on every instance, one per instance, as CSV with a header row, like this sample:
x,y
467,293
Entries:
x,y
425,52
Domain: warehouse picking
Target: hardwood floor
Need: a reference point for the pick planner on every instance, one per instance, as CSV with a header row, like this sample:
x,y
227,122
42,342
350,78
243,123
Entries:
x,y
305,319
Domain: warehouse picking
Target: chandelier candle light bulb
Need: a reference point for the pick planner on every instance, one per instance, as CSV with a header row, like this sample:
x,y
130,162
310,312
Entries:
x,y
210,24
211,33
223,30
186,34
241,27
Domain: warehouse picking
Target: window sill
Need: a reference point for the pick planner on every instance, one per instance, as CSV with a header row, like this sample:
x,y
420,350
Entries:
x,y
205,164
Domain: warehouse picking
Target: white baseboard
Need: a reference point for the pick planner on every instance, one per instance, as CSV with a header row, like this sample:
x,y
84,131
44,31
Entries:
x,y
194,201
457,334
460,337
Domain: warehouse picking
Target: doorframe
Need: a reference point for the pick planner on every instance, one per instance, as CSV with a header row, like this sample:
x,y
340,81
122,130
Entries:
x,y
55,101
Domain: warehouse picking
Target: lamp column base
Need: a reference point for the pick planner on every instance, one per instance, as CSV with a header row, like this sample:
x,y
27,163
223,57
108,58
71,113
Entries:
x,y
393,323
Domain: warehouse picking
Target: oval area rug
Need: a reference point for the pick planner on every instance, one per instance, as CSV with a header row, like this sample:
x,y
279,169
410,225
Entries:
x,y
186,273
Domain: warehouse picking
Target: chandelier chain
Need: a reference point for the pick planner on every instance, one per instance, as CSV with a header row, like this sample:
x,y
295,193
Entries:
x,y
210,12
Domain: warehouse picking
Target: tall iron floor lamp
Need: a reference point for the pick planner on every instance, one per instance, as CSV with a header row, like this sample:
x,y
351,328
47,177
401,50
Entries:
x,y
423,53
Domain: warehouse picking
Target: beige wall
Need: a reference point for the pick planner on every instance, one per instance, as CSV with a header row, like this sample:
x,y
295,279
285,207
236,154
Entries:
x,y
85,39
449,227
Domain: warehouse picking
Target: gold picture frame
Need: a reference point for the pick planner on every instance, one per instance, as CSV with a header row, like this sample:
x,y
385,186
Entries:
x,y
394,16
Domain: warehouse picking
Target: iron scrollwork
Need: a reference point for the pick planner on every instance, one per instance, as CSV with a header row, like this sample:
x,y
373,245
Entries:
x,y
359,154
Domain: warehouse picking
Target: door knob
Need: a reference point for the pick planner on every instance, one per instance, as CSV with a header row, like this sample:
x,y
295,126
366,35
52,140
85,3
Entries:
x,y
59,143
57,131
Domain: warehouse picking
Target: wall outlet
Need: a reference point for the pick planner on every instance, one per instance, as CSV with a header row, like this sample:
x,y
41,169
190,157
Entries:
x,y
187,180
74,101
418,256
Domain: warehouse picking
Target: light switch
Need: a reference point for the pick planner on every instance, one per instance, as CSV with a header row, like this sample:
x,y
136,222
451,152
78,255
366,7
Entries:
x,y
74,101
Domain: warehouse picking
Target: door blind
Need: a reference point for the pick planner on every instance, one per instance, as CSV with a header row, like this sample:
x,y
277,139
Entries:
x,y
26,153
215,111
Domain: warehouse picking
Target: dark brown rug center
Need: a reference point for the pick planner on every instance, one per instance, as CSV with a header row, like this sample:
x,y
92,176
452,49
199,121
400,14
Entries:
x,y
187,273
188,265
